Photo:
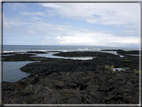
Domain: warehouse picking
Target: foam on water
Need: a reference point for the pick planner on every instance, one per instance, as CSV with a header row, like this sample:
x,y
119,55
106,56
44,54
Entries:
x,y
83,49
33,51
63,50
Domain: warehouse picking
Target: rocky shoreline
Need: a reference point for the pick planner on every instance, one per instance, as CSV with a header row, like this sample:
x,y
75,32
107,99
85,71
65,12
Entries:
x,y
66,81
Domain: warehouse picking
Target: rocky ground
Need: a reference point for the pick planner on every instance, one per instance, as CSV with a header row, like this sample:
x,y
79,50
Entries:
x,y
66,81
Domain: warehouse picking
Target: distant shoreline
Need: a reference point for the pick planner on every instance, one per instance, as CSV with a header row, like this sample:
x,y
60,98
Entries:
x,y
30,55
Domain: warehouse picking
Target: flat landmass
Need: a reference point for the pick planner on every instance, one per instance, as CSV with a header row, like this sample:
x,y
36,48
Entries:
x,y
67,81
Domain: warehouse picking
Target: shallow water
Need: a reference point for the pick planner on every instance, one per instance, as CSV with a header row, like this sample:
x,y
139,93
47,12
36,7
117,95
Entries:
x,y
134,54
11,70
50,55
113,52
80,58
7,54
119,69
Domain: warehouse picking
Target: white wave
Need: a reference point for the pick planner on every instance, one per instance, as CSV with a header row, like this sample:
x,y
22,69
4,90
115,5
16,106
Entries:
x,y
13,51
57,50
24,51
63,50
9,51
83,49
37,50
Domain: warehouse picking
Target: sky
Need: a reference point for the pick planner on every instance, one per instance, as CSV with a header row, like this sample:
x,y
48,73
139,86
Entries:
x,y
97,24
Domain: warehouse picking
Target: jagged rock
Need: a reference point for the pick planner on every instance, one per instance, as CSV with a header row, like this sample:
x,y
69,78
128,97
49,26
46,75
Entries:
x,y
55,99
8,86
73,101
60,81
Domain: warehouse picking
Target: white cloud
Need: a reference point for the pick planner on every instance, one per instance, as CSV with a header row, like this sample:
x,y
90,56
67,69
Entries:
x,y
35,18
33,13
32,32
51,5
17,6
68,35
6,25
93,38
71,35
47,38
104,13
39,27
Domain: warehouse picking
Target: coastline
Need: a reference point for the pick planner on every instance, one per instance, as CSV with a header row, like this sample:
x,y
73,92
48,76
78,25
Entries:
x,y
67,81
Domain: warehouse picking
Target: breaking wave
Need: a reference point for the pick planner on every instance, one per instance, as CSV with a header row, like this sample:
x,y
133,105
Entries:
x,y
82,48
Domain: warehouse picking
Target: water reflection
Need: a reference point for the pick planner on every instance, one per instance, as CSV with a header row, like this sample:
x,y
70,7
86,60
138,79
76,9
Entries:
x,y
51,55
12,72
119,69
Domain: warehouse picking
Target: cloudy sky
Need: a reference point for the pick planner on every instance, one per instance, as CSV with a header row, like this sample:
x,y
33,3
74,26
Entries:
x,y
101,24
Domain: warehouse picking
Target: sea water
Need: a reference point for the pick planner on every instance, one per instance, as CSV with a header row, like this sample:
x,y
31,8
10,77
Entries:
x,y
51,48
24,48
11,70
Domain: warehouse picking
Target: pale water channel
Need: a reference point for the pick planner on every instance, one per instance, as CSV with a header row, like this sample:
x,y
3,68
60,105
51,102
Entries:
x,y
50,55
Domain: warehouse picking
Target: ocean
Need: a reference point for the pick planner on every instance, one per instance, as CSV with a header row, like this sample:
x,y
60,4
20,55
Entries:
x,y
11,69
23,48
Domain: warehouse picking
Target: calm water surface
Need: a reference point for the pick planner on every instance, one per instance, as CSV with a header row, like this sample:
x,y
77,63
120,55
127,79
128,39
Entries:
x,y
12,72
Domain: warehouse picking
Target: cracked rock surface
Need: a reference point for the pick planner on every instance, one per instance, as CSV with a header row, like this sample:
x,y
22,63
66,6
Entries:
x,y
66,81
